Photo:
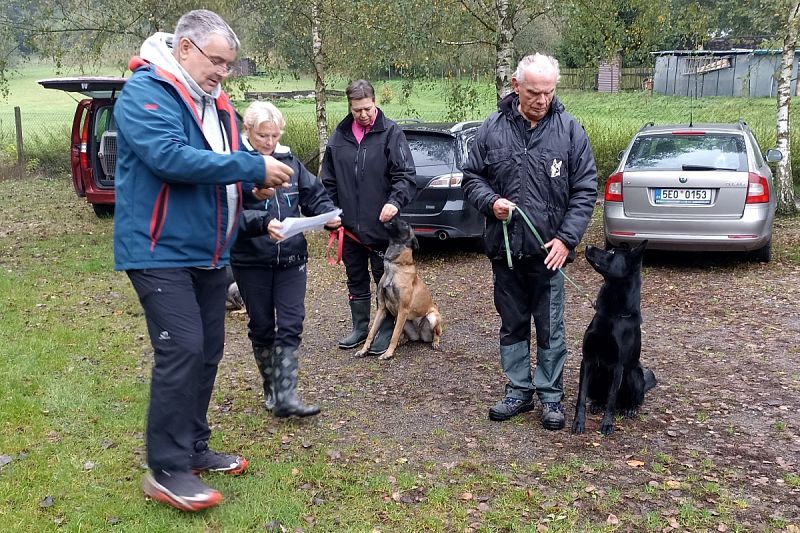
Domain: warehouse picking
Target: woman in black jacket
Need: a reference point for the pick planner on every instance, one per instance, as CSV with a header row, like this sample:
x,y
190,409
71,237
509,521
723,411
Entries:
x,y
271,270
368,172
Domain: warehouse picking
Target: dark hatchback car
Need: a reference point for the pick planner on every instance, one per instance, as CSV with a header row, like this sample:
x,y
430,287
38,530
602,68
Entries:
x,y
440,151
93,143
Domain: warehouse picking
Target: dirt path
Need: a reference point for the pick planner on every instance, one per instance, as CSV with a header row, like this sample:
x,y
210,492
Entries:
x,y
721,334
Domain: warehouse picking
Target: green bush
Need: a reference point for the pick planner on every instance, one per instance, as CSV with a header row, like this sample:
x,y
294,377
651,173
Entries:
x,y
301,136
47,153
386,94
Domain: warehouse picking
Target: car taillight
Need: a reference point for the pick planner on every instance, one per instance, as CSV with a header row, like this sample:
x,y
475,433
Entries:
x,y
84,156
614,188
757,189
445,181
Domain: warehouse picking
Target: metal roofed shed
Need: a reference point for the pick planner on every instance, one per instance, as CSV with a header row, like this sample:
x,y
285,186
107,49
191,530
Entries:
x,y
735,72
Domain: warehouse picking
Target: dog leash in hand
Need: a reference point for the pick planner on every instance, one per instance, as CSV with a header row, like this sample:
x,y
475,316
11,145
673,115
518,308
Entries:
x,y
527,220
338,235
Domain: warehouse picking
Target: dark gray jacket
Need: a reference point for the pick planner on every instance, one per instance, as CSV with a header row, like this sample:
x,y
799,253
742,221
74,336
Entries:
x,y
305,195
552,177
361,178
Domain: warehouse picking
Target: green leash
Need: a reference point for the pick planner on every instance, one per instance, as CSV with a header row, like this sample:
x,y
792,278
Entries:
x,y
541,244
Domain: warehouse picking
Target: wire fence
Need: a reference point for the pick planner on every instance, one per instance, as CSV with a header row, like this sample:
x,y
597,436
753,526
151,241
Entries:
x,y
34,123
38,141
626,79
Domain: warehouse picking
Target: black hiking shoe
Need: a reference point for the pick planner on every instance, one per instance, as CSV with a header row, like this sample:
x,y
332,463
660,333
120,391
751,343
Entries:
x,y
206,460
509,407
181,490
552,416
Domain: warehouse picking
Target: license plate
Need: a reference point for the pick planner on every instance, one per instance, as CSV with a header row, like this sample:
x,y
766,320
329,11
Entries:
x,y
683,196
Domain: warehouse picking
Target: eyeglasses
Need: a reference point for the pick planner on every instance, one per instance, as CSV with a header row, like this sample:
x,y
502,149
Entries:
x,y
220,64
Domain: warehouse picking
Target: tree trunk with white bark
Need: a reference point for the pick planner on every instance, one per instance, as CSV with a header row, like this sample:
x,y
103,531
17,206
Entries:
x,y
783,173
505,49
320,93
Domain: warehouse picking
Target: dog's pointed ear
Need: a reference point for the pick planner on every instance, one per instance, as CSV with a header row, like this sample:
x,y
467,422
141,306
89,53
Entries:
x,y
414,243
640,248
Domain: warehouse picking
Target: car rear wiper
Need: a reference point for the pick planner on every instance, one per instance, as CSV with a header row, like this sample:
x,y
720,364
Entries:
x,y
699,167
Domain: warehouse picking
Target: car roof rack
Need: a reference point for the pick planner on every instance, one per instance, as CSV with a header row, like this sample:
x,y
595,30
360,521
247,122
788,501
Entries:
x,y
461,125
647,125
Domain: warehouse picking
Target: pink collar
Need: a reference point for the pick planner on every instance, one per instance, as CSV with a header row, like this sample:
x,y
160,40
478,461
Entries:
x,y
360,131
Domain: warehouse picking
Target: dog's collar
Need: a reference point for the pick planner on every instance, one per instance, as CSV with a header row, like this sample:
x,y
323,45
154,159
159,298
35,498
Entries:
x,y
631,314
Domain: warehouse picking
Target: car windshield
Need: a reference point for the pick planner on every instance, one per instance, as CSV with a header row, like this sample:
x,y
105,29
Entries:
x,y
709,151
430,150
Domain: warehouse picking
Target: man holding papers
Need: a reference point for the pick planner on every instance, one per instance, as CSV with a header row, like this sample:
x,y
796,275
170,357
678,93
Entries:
x,y
271,269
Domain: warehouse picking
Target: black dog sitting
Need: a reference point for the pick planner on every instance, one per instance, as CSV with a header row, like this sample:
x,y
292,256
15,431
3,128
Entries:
x,y
611,375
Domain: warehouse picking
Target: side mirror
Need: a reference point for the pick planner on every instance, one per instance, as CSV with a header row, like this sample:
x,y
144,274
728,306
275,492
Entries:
x,y
774,155
620,154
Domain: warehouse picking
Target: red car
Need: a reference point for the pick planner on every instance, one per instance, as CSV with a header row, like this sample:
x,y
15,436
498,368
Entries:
x,y
93,147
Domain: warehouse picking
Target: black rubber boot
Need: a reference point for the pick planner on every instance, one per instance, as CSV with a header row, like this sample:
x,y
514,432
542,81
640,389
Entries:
x,y
359,309
263,355
285,369
384,336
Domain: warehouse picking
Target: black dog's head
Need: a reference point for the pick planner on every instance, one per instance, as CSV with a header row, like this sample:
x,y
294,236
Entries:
x,y
616,263
401,233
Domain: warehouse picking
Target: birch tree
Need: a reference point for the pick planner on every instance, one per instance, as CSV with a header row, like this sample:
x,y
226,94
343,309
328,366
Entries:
x,y
498,23
783,174
320,88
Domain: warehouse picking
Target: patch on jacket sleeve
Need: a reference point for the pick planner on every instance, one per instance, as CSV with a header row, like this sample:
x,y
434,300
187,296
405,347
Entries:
x,y
555,168
151,107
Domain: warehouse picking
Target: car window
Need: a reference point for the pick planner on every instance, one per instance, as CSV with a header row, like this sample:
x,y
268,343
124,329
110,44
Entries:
x,y
430,150
675,152
104,121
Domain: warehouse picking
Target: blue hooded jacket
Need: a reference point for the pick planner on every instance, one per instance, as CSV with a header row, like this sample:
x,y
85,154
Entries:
x,y
172,207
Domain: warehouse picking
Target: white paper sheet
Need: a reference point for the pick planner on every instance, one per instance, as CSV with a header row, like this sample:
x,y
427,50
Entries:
x,y
294,225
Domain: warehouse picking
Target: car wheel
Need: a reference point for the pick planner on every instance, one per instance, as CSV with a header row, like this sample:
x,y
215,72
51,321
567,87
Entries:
x,y
103,210
763,254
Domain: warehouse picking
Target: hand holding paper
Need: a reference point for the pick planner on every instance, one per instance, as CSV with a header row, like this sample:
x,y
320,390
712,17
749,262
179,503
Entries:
x,y
293,225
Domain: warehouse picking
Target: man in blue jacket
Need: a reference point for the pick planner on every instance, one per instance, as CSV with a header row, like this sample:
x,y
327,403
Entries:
x,y
532,155
178,200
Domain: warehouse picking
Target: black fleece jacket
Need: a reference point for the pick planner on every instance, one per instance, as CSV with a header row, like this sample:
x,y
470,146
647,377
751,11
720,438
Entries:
x,y
305,195
361,178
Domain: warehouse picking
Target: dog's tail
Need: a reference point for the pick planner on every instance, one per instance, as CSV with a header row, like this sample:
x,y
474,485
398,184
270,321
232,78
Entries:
x,y
649,379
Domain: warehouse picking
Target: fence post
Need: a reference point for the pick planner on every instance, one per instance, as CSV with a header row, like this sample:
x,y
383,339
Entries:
x,y
20,149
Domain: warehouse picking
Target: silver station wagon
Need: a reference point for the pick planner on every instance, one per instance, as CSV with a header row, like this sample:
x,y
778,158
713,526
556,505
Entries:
x,y
705,187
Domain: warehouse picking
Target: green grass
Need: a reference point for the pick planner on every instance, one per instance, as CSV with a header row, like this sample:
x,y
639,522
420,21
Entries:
x,y
610,119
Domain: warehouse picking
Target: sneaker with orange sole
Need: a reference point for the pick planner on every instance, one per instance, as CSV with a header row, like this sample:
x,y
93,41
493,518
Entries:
x,y
205,459
181,490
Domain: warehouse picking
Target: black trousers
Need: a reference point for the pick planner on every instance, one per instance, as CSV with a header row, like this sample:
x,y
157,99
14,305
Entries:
x,y
275,302
528,291
358,261
185,313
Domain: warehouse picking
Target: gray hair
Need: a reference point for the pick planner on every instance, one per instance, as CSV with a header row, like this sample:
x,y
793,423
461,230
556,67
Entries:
x,y
537,63
200,24
260,112
359,90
